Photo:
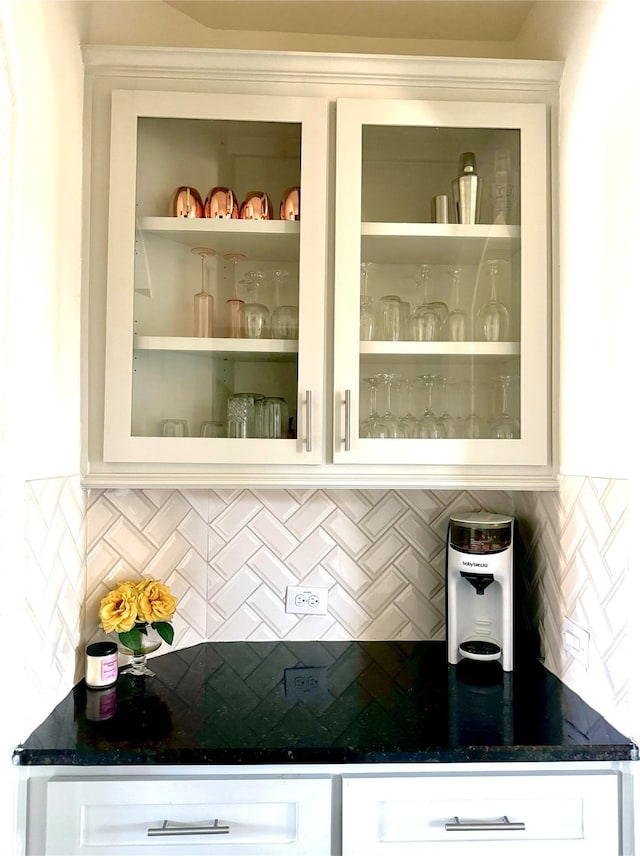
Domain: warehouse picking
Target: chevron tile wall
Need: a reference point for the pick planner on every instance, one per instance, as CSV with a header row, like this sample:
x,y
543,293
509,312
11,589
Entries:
x,y
229,555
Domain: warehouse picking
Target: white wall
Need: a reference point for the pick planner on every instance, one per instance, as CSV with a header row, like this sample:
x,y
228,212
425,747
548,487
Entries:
x,y
40,346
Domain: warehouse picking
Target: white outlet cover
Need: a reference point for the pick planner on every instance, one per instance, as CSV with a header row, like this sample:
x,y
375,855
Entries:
x,y
307,600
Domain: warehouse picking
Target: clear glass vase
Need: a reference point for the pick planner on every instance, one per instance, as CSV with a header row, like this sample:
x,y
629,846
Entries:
x,y
150,641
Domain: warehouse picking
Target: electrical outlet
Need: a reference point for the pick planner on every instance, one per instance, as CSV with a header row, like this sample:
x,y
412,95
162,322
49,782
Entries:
x,y
576,641
309,684
306,600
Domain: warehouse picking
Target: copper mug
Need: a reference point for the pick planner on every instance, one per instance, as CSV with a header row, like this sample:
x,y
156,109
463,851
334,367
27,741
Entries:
x,y
221,204
290,204
256,206
187,202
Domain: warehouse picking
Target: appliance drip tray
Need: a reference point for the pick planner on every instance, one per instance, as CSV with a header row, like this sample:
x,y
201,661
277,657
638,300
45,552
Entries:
x,y
480,649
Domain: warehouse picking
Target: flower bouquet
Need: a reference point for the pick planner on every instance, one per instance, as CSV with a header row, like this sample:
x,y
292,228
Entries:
x,y
140,613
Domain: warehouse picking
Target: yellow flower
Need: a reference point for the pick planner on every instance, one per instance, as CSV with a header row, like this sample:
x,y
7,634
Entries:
x,y
155,601
119,609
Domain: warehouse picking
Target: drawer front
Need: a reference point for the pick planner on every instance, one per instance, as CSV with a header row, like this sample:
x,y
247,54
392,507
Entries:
x,y
245,817
512,814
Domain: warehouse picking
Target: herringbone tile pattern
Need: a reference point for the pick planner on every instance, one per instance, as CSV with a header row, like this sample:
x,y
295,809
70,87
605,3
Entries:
x,y
229,555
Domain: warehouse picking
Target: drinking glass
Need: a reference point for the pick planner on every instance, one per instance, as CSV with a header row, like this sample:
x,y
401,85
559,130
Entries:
x,y
241,415
408,422
505,427
367,317
427,320
284,318
175,428
203,301
429,426
391,316
389,421
274,417
446,420
458,318
212,429
492,319
471,423
235,306
257,318
371,425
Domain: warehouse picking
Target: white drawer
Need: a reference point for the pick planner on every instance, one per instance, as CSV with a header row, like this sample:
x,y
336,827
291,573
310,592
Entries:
x,y
513,813
144,815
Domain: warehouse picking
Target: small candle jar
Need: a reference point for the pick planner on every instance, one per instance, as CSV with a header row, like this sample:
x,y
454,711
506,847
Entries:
x,y
102,665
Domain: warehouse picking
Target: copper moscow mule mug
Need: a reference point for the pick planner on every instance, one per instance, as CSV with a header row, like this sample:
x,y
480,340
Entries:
x,y
221,204
186,202
290,204
256,206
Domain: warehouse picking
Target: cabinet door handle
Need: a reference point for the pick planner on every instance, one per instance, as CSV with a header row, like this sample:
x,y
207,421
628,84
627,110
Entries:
x,y
347,420
174,827
501,825
309,418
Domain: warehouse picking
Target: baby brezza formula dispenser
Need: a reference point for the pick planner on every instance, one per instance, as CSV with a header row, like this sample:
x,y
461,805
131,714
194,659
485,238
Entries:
x,y
480,588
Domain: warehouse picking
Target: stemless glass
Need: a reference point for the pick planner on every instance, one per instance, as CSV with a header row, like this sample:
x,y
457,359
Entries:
x,y
391,317
274,417
257,318
284,318
458,318
175,428
212,429
492,319
241,415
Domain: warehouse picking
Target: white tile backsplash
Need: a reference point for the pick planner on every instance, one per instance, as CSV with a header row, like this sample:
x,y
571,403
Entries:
x,y
229,555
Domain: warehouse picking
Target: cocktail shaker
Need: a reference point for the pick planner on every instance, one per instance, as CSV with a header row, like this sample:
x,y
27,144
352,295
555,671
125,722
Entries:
x,y
467,190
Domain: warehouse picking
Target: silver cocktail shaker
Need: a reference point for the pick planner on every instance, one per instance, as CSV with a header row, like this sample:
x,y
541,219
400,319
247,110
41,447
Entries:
x,y
467,190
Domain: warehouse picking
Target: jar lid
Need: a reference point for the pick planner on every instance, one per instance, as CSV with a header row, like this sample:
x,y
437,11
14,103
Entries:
x,y
101,649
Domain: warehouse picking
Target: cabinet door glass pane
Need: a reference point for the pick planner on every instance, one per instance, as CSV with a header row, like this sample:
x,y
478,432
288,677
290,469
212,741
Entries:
x,y
440,305
216,279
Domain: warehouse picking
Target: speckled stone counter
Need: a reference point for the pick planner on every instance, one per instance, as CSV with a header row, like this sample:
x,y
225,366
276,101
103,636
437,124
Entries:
x,y
323,702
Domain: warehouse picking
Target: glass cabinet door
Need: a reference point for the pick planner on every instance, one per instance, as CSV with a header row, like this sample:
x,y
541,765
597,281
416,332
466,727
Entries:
x,y
216,274
441,340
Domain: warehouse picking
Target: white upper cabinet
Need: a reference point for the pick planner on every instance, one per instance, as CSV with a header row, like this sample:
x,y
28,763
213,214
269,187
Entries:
x,y
215,318
441,328
353,327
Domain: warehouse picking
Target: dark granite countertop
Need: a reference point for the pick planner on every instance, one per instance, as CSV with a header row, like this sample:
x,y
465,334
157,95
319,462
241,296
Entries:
x,y
323,702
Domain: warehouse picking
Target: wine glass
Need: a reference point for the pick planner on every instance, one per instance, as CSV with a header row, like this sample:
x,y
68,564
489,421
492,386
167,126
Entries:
x,y
428,318
470,424
458,318
446,420
371,425
408,422
390,422
367,317
492,319
257,318
284,318
505,427
235,306
203,301
429,425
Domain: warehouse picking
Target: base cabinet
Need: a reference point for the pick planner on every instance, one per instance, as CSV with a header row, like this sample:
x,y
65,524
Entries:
x,y
484,813
443,809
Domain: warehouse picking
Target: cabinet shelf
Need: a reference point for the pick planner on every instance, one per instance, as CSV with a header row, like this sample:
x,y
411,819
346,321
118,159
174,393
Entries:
x,y
267,240
475,349
275,350
415,243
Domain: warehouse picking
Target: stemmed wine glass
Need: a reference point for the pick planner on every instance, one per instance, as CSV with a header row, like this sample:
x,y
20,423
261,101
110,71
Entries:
x,y
458,318
203,301
429,317
505,427
235,306
371,425
257,318
492,319
390,422
429,425
448,424
284,318
408,422
470,424
367,317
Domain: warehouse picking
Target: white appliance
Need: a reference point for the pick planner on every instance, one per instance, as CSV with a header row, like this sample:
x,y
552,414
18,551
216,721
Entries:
x,y
480,588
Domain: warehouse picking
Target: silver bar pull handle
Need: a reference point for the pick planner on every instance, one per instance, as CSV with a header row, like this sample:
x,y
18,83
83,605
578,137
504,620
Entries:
x,y
347,420
500,825
174,827
309,417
